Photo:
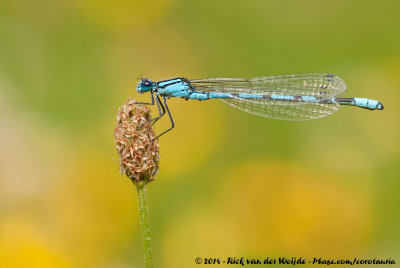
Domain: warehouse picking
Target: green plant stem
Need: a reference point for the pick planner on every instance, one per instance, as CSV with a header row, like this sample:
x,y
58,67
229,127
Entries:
x,y
145,224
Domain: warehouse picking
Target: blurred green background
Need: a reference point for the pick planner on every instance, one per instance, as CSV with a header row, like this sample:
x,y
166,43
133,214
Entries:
x,y
230,183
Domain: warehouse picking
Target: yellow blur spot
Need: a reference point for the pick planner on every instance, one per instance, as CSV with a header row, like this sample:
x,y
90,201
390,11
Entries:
x,y
287,208
22,245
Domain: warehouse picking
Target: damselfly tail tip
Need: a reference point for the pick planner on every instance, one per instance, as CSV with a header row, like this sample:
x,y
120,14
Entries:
x,y
380,106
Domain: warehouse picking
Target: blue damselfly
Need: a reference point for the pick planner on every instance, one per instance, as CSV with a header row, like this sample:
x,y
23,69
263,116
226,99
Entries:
x,y
286,97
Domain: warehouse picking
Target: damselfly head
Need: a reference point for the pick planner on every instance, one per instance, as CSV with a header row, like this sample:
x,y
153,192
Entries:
x,y
145,85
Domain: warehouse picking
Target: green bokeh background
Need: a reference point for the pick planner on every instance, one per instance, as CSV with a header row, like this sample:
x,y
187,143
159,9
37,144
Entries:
x,y
230,183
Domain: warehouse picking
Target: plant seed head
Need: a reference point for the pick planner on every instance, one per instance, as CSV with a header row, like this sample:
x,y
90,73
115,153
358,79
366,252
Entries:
x,y
138,151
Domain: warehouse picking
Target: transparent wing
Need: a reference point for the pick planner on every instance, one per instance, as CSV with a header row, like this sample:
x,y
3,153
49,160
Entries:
x,y
313,85
322,86
284,110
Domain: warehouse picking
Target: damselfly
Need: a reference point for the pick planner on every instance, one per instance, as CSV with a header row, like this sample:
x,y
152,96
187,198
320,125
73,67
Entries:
x,y
286,97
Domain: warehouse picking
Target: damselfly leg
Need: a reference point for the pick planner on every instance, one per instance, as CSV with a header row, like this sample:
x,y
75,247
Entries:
x,y
170,117
147,103
161,109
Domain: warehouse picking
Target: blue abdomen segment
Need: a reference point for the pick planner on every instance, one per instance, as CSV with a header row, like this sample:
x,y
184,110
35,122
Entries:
x,y
195,95
361,102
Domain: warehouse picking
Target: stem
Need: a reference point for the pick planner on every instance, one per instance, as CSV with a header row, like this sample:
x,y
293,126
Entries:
x,y
145,224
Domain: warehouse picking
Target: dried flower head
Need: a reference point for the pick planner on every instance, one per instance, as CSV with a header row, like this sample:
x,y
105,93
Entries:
x,y
137,149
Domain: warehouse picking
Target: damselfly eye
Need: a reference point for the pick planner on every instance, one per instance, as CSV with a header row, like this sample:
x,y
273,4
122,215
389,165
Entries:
x,y
146,83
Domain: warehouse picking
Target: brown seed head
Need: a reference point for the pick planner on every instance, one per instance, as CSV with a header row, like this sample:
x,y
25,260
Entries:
x,y
139,154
